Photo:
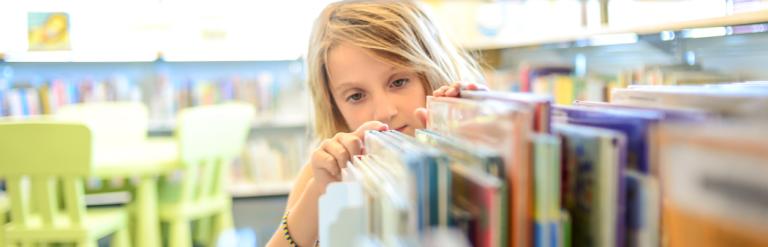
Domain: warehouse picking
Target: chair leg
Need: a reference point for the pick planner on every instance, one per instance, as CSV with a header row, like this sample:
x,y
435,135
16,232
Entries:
x,y
180,234
122,238
221,223
88,243
202,230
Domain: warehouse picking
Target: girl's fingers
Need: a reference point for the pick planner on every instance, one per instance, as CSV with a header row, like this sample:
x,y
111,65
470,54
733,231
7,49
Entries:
x,y
370,125
352,144
422,115
327,162
452,92
339,153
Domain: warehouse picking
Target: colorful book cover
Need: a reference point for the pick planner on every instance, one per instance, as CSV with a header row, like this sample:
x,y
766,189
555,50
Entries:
x,y
643,224
593,195
462,153
505,127
481,195
45,100
546,169
563,90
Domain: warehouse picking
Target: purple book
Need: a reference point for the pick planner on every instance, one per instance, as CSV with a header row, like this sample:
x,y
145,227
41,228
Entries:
x,y
667,114
637,126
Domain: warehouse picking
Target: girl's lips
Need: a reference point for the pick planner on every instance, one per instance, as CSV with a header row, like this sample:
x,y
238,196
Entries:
x,y
402,128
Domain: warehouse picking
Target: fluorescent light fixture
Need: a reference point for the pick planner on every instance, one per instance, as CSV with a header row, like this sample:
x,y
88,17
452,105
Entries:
x,y
705,32
690,57
81,56
613,39
206,56
667,35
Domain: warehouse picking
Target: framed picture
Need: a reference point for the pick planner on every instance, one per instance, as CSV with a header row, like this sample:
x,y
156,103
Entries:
x,y
48,31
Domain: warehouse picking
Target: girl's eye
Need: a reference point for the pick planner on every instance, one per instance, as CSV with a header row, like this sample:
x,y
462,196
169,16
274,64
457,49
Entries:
x,y
399,83
355,97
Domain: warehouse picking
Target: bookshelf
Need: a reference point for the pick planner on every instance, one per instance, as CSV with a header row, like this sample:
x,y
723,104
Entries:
x,y
166,127
745,18
245,190
276,88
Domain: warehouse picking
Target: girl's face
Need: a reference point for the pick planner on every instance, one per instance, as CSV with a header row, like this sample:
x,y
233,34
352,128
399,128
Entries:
x,y
366,89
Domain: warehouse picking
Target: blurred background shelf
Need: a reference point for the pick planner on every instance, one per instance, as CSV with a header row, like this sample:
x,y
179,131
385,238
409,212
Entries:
x,y
262,189
570,35
165,128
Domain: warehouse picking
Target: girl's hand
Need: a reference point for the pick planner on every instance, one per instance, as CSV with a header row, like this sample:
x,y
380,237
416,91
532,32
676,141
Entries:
x,y
453,90
332,154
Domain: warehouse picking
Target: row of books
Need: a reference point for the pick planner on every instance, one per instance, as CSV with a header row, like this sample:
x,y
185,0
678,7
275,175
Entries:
x,y
167,96
164,97
272,158
24,99
662,165
566,85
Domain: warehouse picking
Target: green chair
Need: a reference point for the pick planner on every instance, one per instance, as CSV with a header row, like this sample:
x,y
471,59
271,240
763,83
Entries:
x,y
4,208
209,138
42,162
124,154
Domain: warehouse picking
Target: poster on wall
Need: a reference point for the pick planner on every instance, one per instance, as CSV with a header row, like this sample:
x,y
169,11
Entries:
x,y
48,31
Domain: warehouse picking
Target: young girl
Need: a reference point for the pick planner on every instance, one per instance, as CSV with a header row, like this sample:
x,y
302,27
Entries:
x,y
371,65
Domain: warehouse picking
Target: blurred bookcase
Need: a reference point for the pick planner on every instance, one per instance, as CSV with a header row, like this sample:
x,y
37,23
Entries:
x,y
169,55
580,50
277,145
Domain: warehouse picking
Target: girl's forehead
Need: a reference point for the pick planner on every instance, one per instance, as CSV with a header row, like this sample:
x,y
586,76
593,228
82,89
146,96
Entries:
x,y
353,61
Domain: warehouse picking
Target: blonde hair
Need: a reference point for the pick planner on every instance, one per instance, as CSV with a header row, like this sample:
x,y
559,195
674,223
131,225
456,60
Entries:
x,y
397,32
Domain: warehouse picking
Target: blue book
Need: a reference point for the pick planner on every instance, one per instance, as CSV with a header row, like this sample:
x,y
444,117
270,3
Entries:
x,y
474,167
429,170
3,105
24,101
438,182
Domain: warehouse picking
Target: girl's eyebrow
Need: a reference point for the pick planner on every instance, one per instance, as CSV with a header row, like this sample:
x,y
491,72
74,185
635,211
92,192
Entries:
x,y
344,86
349,84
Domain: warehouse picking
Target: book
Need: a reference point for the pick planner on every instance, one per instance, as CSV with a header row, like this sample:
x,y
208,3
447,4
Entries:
x,y
504,127
463,152
428,168
541,105
725,101
593,188
546,170
713,179
438,176
486,224
482,196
